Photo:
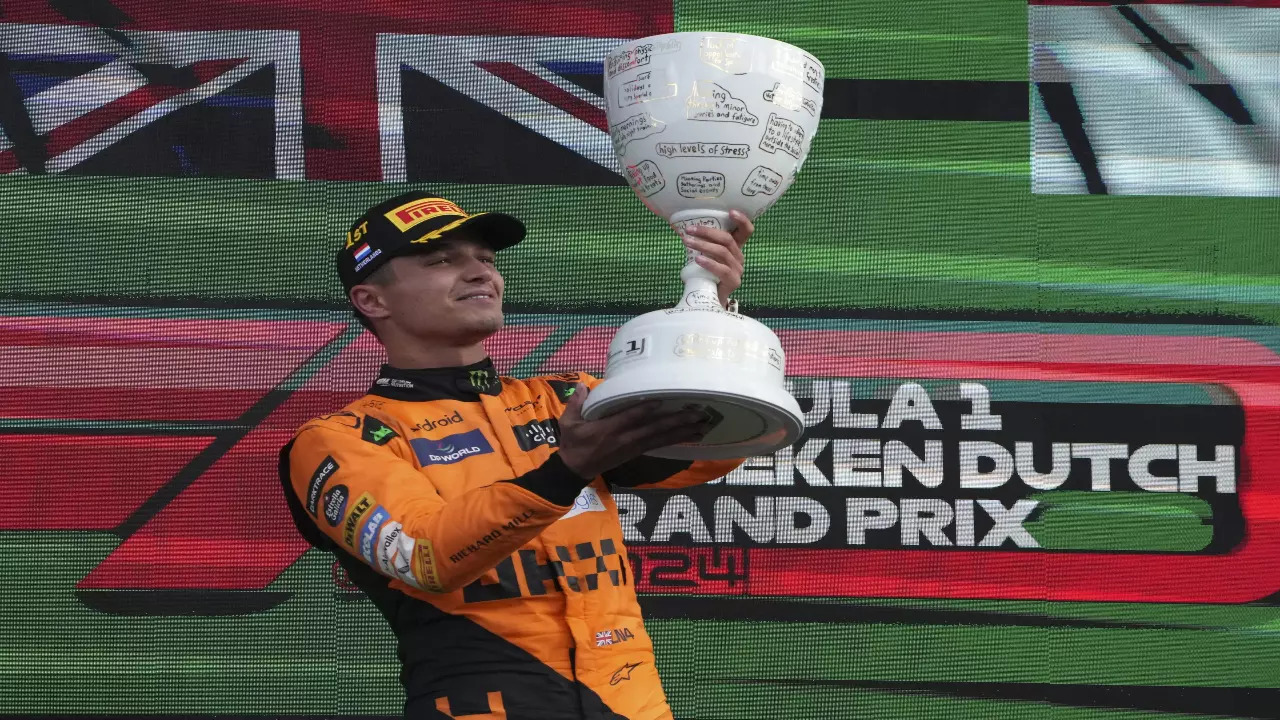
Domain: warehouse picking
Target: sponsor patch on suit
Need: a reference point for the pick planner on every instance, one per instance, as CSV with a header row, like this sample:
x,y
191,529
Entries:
x,y
327,468
451,449
587,501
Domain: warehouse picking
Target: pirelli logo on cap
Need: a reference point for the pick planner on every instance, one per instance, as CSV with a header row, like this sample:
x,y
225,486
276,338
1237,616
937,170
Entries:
x,y
412,213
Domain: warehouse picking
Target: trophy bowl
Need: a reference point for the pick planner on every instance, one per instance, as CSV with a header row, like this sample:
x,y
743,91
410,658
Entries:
x,y
704,123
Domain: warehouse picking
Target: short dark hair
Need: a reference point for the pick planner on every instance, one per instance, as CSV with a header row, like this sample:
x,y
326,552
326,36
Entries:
x,y
383,276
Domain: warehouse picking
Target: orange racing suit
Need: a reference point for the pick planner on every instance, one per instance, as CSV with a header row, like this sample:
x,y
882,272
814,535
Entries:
x,y
501,572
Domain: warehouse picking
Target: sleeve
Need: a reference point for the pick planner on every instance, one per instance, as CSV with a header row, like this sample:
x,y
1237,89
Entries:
x,y
378,507
660,473
644,471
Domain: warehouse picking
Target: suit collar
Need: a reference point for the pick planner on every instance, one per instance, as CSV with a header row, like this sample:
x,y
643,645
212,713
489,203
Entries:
x,y
466,382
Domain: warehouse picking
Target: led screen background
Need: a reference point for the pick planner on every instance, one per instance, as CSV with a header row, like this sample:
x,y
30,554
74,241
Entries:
x,y
176,180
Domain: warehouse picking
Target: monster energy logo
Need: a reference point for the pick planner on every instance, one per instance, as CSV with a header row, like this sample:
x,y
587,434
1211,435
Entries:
x,y
481,379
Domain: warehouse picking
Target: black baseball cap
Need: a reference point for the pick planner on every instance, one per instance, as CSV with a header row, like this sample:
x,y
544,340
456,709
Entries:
x,y
408,224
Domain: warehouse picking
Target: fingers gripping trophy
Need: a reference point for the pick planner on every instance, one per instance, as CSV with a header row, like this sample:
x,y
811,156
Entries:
x,y
705,123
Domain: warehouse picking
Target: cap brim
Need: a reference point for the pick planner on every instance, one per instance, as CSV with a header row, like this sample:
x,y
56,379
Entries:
x,y
497,230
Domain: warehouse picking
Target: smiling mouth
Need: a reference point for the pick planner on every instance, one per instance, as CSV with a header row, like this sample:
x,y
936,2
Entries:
x,y
477,296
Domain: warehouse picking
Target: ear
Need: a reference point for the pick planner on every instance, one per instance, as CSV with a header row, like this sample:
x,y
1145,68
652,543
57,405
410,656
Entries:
x,y
369,301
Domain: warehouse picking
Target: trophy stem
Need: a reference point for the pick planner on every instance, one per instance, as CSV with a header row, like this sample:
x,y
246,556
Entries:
x,y
700,284
701,288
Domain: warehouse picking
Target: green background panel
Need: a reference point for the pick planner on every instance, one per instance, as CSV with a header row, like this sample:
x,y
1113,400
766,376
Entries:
x,y
922,39
887,216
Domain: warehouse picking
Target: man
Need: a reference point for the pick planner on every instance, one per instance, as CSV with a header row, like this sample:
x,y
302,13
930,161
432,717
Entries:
x,y
474,510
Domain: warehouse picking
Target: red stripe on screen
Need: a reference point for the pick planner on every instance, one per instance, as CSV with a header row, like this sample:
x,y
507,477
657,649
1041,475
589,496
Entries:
x,y
151,369
95,483
544,90
176,369
71,134
164,562
1240,576
105,404
47,331
231,529
1249,371
92,124
848,353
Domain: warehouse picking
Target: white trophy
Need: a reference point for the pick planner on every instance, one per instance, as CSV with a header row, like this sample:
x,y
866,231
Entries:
x,y
705,123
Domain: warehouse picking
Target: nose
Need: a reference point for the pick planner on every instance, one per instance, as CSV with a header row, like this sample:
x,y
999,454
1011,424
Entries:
x,y
475,269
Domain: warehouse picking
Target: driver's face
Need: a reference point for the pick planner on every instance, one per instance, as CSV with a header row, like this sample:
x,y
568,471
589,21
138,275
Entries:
x,y
450,289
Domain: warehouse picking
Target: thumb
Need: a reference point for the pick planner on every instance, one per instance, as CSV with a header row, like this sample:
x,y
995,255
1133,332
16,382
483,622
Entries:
x,y
573,408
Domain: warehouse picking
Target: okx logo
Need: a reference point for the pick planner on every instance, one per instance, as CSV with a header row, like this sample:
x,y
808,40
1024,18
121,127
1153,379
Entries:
x,y
449,450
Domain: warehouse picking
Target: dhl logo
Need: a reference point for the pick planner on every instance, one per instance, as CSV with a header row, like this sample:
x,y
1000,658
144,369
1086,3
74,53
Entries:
x,y
413,213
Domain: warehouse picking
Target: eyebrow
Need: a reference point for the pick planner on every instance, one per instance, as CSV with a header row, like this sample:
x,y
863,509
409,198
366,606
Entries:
x,y
454,246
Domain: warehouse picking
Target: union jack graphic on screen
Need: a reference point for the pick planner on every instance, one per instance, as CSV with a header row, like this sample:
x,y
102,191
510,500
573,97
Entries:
x,y
545,89
1155,98
295,91
168,103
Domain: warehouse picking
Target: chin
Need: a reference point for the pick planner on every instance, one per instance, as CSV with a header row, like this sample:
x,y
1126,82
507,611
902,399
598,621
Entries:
x,y
487,325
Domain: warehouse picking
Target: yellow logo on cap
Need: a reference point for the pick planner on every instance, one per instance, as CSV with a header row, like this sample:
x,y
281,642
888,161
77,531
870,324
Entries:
x,y
354,235
413,213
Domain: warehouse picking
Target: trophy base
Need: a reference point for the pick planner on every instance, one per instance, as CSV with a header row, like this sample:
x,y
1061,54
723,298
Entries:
x,y
751,420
